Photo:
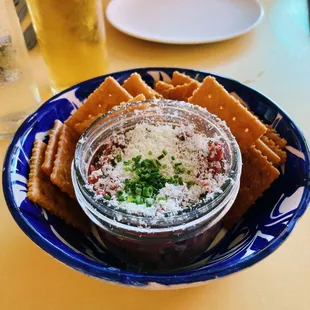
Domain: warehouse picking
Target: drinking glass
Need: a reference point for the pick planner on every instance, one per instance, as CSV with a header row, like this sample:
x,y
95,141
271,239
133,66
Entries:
x,y
18,92
71,36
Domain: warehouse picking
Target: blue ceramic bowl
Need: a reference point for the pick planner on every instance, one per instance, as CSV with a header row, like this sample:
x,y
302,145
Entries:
x,y
260,232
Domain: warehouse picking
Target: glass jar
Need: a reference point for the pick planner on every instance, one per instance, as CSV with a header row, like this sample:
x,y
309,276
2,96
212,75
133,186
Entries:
x,y
149,243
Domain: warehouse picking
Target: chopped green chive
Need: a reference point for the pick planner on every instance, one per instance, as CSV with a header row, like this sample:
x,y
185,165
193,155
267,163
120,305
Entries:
x,y
150,153
131,199
118,158
119,193
107,197
180,170
164,166
190,184
165,152
121,198
188,172
138,190
161,156
145,176
137,158
138,199
177,164
147,192
172,158
158,163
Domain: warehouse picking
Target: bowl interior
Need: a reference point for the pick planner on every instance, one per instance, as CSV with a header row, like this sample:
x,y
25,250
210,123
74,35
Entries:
x,y
261,231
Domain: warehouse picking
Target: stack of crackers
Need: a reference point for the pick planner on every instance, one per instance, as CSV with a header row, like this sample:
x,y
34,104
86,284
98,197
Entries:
x,y
50,184
261,147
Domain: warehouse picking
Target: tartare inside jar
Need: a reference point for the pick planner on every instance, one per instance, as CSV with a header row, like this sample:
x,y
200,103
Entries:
x,y
158,169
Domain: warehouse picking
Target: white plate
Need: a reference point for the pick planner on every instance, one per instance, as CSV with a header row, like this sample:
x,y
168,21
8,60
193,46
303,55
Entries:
x,y
184,21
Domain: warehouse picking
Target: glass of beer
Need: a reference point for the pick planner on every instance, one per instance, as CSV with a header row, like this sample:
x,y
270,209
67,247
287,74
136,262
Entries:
x,y
71,36
18,92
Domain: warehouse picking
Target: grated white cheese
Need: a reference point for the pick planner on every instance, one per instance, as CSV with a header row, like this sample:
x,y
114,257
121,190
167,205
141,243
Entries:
x,y
182,145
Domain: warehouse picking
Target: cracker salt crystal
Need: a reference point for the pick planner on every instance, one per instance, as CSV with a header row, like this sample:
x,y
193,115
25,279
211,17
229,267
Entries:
x,y
244,126
42,192
135,86
257,176
61,175
104,98
51,149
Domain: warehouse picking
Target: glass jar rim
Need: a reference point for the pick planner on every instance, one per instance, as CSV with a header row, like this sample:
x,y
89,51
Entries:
x,y
104,209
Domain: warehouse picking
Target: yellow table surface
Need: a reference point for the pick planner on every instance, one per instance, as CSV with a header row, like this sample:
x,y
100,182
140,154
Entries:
x,y
275,59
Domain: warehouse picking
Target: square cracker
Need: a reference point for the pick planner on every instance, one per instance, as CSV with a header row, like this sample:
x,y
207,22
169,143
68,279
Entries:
x,y
244,126
180,79
139,97
257,175
272,142
104,98
51,148
274,136
135,86
162,88
81,127
275,148
61,175
181,92
267,151
42,192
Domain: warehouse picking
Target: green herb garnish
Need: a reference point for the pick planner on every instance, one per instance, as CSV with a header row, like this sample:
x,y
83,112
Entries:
x,y
148,179
118,158
190,184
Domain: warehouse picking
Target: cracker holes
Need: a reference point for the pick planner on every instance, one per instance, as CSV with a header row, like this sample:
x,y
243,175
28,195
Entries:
x,y
221,108
234,118
209,96
246,129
